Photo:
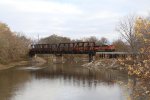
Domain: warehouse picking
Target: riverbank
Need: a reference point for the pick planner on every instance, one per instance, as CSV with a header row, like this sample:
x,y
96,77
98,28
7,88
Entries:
x,y
132,68
13,64
104,64
35,61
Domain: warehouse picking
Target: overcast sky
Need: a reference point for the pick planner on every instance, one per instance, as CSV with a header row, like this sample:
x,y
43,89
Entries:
x,y
72,18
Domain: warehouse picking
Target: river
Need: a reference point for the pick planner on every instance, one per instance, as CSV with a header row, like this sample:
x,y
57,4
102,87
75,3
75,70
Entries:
x,y
64,82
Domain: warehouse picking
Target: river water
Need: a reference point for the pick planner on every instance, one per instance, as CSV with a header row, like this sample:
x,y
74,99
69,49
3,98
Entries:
x,y
64,82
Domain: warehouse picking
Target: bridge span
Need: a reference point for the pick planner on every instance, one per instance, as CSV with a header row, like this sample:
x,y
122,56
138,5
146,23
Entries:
x,y
75,48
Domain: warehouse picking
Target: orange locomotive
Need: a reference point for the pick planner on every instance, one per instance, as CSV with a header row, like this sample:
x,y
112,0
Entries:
x,y
105,48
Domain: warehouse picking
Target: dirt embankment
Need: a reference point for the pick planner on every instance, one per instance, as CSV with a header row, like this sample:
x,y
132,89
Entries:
x,y
35,61
13,64
103,64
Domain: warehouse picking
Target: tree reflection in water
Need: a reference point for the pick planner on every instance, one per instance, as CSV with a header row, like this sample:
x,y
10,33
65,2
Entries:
x,y
87,84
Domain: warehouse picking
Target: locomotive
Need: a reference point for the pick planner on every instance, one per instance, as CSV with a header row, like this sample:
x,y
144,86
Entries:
x,y
104,48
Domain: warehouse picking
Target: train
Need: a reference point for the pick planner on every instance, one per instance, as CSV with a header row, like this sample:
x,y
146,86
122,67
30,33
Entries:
x,y
77,46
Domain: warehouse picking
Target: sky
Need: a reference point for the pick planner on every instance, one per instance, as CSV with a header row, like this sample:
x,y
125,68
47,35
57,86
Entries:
x,y
72,18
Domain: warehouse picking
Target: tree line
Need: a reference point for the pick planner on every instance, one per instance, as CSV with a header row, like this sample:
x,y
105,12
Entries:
x,y
55,39
13,46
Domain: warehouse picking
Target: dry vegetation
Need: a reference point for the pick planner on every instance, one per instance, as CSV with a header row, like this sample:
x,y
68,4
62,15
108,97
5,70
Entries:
x,y
136,32
13,47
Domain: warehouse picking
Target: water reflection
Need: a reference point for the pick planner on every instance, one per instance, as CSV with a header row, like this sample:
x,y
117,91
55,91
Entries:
x,y
80,76
11,81
62,82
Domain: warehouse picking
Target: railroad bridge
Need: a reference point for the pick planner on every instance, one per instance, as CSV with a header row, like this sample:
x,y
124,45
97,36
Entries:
x,y
74,48
64,48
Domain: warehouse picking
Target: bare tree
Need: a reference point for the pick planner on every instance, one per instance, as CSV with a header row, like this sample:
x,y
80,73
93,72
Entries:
x,y
126,29
91,39
120,45
103,41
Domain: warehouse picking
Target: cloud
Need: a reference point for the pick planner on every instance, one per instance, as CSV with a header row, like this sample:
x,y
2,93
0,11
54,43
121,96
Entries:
x,y
41,6
73,18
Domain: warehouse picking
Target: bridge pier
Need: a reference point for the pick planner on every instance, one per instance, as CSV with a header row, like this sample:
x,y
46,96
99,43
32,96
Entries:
x,y
58,59
91,57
